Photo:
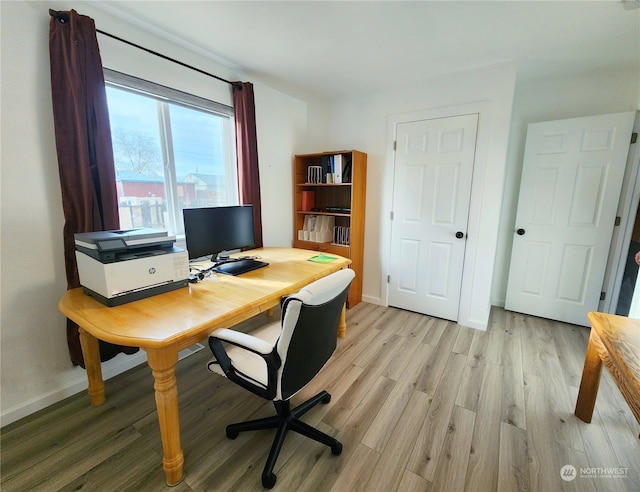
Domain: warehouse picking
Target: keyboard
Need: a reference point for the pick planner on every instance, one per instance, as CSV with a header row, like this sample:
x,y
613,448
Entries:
x,y
239,267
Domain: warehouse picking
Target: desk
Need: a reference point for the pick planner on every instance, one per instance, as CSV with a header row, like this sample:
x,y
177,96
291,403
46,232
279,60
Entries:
x,y
163,325
614,341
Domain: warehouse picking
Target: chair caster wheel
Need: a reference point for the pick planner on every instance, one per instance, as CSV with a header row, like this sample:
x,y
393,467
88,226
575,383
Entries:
x,y
268,481
336,449
232,434
326,399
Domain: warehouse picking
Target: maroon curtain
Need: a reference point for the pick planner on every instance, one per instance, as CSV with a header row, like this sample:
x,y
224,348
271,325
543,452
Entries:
x,y
247,153
83,142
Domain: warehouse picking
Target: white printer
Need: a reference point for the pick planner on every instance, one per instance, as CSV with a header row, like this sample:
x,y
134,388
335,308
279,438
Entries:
x,y
117,267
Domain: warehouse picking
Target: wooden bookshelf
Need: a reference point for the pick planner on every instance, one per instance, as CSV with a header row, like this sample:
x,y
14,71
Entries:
x,y
349,197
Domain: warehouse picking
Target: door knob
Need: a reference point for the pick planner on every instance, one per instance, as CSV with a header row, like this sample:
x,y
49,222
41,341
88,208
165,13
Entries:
x,y
459,234
520,232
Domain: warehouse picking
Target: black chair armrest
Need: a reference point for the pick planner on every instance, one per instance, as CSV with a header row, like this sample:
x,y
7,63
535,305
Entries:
x,y
251,344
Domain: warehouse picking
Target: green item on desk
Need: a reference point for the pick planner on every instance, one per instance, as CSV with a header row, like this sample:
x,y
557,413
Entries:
x,y
322,258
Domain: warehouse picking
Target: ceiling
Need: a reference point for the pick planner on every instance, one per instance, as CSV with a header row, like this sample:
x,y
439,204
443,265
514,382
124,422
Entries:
x,y
338,48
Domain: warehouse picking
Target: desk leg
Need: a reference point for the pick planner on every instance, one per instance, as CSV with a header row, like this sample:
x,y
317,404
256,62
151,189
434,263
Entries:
x,y
91,356
342,324
590,380
163,364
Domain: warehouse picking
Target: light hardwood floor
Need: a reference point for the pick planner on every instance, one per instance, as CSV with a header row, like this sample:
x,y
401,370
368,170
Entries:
x,y
420,404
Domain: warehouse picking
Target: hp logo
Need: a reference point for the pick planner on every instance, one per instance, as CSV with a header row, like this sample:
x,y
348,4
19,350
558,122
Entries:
x,y
152,271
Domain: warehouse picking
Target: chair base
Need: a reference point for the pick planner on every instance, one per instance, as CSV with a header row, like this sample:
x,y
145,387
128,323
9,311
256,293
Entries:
x,y
286,419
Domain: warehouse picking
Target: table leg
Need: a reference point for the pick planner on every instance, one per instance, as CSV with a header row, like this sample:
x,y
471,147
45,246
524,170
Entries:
x,y
91,356
342,324
590,380
163,363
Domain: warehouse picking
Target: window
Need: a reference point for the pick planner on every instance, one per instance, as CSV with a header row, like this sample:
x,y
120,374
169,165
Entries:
x,y
171,150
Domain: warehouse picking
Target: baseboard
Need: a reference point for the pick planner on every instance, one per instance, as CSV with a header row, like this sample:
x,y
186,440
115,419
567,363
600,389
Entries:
x,y
498,303
115,366
476,325
372,300
112,368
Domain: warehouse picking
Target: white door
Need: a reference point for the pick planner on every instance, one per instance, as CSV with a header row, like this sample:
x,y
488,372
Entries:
x,y
431,193
571,180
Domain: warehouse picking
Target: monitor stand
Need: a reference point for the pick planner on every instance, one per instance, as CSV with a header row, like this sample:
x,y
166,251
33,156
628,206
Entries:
x,y
223,257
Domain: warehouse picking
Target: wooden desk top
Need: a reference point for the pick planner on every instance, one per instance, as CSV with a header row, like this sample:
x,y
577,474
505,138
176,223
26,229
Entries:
x,y
186,316
621,337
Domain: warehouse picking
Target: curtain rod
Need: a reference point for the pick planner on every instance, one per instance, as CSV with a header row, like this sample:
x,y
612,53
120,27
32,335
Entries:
x,y
63,17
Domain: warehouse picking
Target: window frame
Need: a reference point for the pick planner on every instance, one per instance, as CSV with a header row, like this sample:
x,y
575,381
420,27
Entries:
x,y
166,94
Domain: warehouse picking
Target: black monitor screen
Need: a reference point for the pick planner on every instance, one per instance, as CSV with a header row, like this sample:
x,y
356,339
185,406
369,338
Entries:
x,y
212,230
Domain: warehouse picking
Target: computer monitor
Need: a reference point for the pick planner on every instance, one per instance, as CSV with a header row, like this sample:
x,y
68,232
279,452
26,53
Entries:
x,y
210,231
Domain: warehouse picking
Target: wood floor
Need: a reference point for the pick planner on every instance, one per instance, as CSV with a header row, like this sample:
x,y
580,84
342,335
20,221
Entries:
x,y
420,404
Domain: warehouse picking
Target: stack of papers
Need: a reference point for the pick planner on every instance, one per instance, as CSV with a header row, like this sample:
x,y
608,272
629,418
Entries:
x,y
322,258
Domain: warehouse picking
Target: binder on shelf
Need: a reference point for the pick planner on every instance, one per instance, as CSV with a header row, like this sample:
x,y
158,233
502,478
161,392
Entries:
x,y
308,200
326,167
337,168
346,170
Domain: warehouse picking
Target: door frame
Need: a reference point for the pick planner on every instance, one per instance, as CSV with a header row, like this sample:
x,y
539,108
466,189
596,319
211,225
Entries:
x,y
473,310
629,198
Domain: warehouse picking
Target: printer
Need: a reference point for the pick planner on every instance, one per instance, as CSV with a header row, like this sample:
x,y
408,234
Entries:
x,y
121,266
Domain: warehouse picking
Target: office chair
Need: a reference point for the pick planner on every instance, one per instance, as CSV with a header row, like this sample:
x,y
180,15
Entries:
x,y
303,343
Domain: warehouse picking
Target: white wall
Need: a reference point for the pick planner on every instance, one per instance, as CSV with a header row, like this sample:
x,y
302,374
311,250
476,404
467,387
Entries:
x,y
547,100
35,367
363,123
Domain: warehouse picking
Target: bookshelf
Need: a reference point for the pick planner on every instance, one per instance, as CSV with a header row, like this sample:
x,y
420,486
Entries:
x,y
329,216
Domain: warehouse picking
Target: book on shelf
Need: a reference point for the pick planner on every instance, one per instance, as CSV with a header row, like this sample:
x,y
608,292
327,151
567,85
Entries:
x,y
326,167
338,210
308,200
346,169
